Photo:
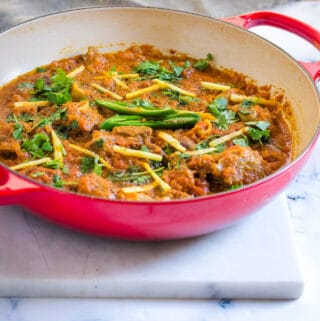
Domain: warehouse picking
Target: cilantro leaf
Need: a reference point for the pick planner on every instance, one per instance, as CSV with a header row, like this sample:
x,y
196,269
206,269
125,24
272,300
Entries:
x,y
56,181
177,70
224,117
18,130
203,64
241,141
89,164
175,95
38,145
53,164
263,125
57,91
259,132
152,69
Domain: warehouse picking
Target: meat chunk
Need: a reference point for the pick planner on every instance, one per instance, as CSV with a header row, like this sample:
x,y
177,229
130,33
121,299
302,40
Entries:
x,y
200,131
85,116
235,166
95,61
132,136
93,184
9,147
183,180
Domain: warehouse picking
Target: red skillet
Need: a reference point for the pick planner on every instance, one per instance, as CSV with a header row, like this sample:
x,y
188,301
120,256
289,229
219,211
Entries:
x,y
39,41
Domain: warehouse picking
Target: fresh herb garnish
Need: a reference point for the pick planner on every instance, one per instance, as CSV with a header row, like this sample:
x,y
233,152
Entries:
x,y
203,64
53,164
57,91
59,114
168,149
153,69
174,95
65,169
133,175
233,187
177,70
38,145
247,103
18,128
241,141
89,164
40,69
144,148
99,143
224,117
259,131
74,125
56,181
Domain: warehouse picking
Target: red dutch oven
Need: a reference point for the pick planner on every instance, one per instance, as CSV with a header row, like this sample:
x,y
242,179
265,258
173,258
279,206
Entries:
x,y
44,39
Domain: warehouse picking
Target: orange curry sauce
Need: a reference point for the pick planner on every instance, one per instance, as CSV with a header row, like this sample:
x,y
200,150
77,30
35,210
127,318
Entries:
x,y
140,125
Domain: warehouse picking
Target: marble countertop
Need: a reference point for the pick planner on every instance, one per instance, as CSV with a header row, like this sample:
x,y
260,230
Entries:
x,y
303,197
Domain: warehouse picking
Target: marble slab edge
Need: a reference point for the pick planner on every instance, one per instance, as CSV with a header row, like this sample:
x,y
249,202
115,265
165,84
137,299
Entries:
x,y
151,289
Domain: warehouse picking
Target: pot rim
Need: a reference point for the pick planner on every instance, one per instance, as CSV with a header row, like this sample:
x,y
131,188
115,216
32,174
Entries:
x,y
248,187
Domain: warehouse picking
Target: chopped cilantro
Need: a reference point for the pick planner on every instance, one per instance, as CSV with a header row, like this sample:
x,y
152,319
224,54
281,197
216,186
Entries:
x,y
57,115
247,103
18,128
233,187
134,175
56,181
258,134
38,145
153,69
99,143
65,169
57,91
40,69
224,117
259,131
177,70
263,125
168,149
74,125
53,164
175,95
220,148
144,148
203,64
89,164
241,141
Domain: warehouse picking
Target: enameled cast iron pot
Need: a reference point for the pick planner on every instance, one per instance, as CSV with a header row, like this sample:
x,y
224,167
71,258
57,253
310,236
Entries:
x,y
42,40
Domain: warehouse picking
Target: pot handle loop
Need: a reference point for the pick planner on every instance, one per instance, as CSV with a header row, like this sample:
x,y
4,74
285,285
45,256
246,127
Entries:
x,y
284,22
13,188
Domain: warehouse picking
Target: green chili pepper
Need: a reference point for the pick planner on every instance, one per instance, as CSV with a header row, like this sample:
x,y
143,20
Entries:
x,y
178,120
123,108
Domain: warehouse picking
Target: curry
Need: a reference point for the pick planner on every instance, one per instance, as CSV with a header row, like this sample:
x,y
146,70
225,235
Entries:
x,y
139,124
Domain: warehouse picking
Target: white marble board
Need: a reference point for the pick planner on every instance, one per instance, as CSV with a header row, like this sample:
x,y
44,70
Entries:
x,y
255,258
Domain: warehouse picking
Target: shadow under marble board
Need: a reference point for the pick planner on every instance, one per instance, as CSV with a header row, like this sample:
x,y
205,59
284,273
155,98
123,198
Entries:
x,y
254,258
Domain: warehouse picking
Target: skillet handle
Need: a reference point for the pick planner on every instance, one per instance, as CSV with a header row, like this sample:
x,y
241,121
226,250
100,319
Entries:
x,y
278,20
14,189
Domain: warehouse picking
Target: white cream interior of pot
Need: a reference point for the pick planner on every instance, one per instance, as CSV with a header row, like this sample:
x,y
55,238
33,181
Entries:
x,y
53,37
